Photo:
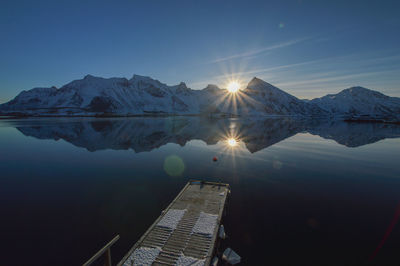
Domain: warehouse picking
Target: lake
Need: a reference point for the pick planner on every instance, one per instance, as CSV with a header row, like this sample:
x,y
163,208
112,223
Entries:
x,y
304,192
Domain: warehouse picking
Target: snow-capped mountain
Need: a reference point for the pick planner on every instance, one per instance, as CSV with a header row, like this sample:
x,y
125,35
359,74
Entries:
x,y
359,101
120,96
141,95
262,97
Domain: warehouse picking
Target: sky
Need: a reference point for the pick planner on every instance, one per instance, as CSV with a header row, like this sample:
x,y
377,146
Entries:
x,y
307,48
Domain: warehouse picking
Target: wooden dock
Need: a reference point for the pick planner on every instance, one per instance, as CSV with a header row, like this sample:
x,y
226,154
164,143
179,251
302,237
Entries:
x,y
186,231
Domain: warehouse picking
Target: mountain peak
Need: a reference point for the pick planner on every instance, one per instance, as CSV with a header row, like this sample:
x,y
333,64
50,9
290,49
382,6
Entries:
x,y
139,77
257,84
255,81
88,76
182,88
182,85
137,80
211,87
358,89
359,101
361,91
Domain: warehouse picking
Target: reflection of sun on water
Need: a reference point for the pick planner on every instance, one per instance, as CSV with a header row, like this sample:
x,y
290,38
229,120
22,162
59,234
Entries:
x,y
232,142
232,151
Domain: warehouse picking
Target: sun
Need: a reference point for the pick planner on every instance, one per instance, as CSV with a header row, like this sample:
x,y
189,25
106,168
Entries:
x,y
233,86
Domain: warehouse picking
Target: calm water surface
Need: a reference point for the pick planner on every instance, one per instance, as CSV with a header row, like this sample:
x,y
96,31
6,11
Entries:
x,y
303,192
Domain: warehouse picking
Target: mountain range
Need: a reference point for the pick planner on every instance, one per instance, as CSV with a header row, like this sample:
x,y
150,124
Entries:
x,y
140,95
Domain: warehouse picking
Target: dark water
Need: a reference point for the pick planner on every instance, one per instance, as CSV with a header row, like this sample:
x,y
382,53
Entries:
x,y
303,192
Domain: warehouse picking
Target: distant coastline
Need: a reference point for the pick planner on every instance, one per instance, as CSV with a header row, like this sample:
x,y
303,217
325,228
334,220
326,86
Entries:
x,y
211,116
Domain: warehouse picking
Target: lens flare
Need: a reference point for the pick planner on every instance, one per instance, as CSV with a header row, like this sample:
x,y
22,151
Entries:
x,y
174,165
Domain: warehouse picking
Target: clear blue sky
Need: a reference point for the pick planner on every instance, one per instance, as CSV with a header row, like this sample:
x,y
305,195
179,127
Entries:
x,y
307,48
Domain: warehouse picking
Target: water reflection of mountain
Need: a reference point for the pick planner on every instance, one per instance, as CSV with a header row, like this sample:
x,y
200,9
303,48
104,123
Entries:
x,y
146,134
355,134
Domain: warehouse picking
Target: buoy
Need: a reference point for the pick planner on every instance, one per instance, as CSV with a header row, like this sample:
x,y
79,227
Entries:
x,y
222,234
214,261
215,158
231,256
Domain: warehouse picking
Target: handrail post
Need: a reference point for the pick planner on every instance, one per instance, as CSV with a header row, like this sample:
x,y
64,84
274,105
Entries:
x,y
107,249
108,259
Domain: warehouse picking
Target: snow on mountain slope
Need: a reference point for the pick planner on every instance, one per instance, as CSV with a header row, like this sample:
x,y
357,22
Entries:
x,y
143,95
358,101
95,95
266,98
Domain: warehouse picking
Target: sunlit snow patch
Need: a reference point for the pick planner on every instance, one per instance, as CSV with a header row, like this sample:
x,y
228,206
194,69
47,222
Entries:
x,y
171,219
186,261
205,224
143,256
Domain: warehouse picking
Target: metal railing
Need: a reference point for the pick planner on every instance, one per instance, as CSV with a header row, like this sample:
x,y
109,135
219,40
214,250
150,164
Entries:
x,y
106,249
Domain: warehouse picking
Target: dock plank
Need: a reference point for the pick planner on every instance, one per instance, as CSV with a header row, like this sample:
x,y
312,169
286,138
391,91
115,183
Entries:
x,y
195,198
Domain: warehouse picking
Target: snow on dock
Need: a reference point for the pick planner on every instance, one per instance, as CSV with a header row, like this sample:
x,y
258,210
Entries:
x,y
171,219
205,224
186,232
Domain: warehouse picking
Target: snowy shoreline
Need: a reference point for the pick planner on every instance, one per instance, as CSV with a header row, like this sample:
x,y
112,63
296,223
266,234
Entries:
x,y
327,118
